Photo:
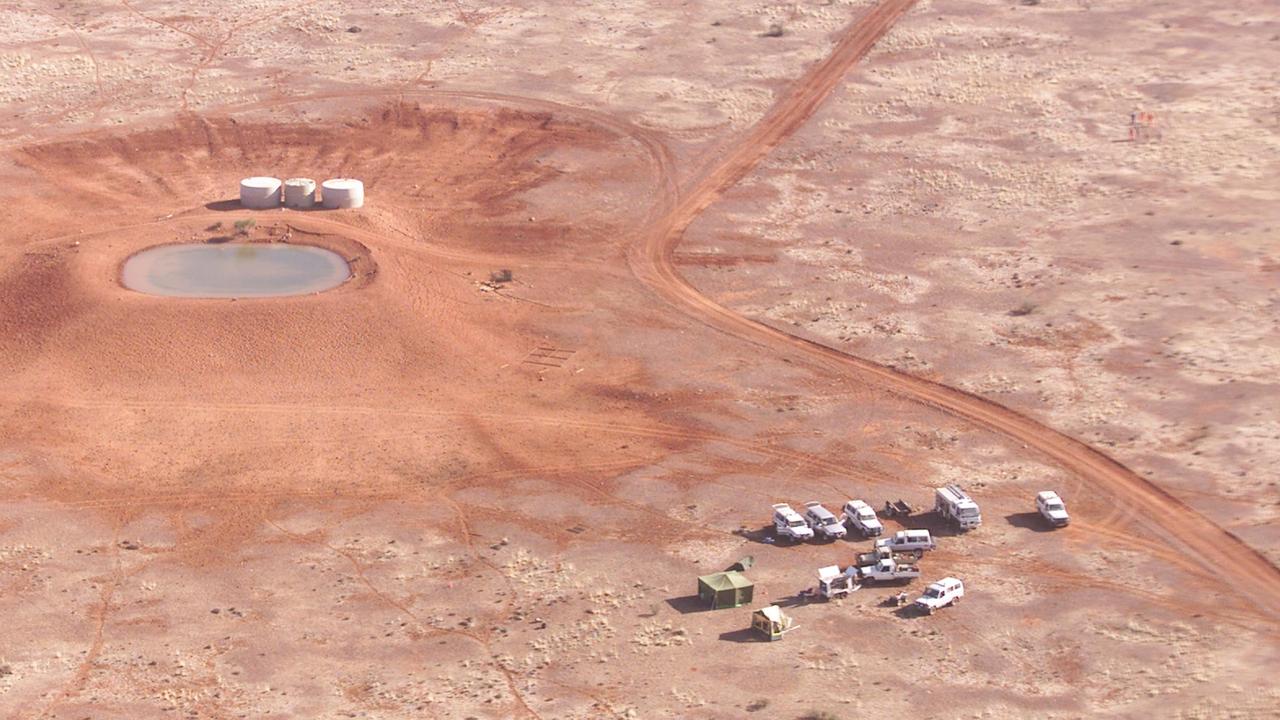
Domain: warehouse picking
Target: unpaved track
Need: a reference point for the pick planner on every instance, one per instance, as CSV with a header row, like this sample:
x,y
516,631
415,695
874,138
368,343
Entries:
x,y
1221,553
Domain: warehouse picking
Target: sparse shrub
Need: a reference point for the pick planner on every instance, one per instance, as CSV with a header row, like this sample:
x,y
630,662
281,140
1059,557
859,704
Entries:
x,y
819,715
774,30
500,276
214,227
757,705
244,226
1025,308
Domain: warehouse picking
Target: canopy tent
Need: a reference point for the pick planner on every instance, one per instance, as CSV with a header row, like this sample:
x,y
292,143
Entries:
x,y
727,589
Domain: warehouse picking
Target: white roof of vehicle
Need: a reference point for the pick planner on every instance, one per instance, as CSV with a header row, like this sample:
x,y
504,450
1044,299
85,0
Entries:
x,y
913,533
816,508
829,572
785,510
1048,496
857,504
944,582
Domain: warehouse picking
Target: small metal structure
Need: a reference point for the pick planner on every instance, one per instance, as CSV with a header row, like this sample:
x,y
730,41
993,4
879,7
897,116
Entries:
x,y
260,193
727,589
770,622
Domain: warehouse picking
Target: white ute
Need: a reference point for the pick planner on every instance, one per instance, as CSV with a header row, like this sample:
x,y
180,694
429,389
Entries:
x,y
1049,505
952,503
822,521
907,540
888,570
946,591
862,518
788,524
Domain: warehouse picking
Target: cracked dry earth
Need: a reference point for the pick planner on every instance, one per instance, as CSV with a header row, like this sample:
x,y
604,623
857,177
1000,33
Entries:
x,y
429,494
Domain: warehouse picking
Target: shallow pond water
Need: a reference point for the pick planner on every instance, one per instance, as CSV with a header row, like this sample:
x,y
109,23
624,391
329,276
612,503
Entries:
x,y
234,270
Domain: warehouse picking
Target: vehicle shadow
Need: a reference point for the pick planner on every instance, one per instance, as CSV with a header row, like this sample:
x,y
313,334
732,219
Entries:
x,y
1029,521
763,535
931,520
909,612
224,205
745,635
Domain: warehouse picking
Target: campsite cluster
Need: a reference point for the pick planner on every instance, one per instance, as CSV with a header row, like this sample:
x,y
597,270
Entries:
x,y
893,559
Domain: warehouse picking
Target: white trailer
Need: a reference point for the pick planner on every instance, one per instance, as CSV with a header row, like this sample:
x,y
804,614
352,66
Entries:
x,y
833,584
953,504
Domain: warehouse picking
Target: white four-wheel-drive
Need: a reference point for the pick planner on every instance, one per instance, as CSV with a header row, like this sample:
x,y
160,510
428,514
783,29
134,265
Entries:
x,y
788,524
946,591
862,518
1051,507
823,522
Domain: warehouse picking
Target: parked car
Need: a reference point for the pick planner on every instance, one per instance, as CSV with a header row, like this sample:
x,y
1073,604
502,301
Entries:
x,y
862,518
906,540
946,591
1051,507
788,524
822,521
952,503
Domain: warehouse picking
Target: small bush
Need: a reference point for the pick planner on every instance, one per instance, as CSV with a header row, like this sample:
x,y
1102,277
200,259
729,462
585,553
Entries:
x,y
1025,308
757,705
773,31
819,715
500,276
214,227
244,226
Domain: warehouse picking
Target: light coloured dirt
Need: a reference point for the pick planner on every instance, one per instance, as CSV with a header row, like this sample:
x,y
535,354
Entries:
x,y
429,494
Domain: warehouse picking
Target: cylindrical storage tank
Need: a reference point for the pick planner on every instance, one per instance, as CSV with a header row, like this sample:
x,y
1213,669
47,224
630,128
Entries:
x,y
342,193
260,193
299,193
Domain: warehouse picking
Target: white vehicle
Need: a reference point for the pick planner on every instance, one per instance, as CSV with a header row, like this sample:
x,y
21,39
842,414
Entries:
x,y
822,521
1052,508
907,540
946,591
789,525
953,504
888,570
863,519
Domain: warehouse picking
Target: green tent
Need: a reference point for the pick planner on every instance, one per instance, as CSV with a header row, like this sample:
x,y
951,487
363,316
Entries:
x,y
727,589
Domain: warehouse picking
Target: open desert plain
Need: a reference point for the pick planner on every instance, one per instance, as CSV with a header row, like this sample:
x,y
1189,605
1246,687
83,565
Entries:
x,y
626,275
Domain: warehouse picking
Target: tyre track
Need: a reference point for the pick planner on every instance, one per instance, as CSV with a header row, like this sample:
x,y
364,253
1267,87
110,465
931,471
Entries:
x,y
652,261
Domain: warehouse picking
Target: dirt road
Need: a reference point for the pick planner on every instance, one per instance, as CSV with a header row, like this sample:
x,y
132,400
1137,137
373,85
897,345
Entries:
x,y
1218,551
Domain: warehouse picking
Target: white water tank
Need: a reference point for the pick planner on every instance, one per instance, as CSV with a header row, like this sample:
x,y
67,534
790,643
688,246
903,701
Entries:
x,y
299,193
260,193
342,193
